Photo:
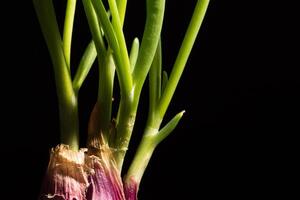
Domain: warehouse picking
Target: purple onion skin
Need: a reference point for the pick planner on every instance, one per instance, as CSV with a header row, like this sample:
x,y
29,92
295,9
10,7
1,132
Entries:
x,y
84,176
105,182
65,178
131,189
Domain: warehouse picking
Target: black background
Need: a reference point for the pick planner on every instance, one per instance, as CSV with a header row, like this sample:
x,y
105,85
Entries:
x,y
240,91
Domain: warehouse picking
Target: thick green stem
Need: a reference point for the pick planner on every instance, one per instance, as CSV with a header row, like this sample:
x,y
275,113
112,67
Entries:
x,y
67,99
125,123
129,104
106,70
155,83
68,30
105,91
151,138
127,110
183,55
122,67
69,125
94,28
117,25
151,36
122,4
142,156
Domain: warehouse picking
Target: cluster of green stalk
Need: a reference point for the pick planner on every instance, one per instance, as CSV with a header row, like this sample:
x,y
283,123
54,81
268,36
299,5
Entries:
x,y
108,45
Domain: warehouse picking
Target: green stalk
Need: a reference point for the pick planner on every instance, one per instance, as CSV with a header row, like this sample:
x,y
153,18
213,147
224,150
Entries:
x,y
68,30
164,81
116,22
121,4
155,83
183,55
151,138
105,91
168,128
126,111
106,70
134,52
142,156
125,123
128,108
85,65
151,36
151,135
94,28
122,67
67,99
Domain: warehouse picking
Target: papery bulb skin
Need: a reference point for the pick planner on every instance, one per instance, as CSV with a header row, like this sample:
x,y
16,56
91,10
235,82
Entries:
x,y
65,178
89,174
104,183
131,189
105,179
